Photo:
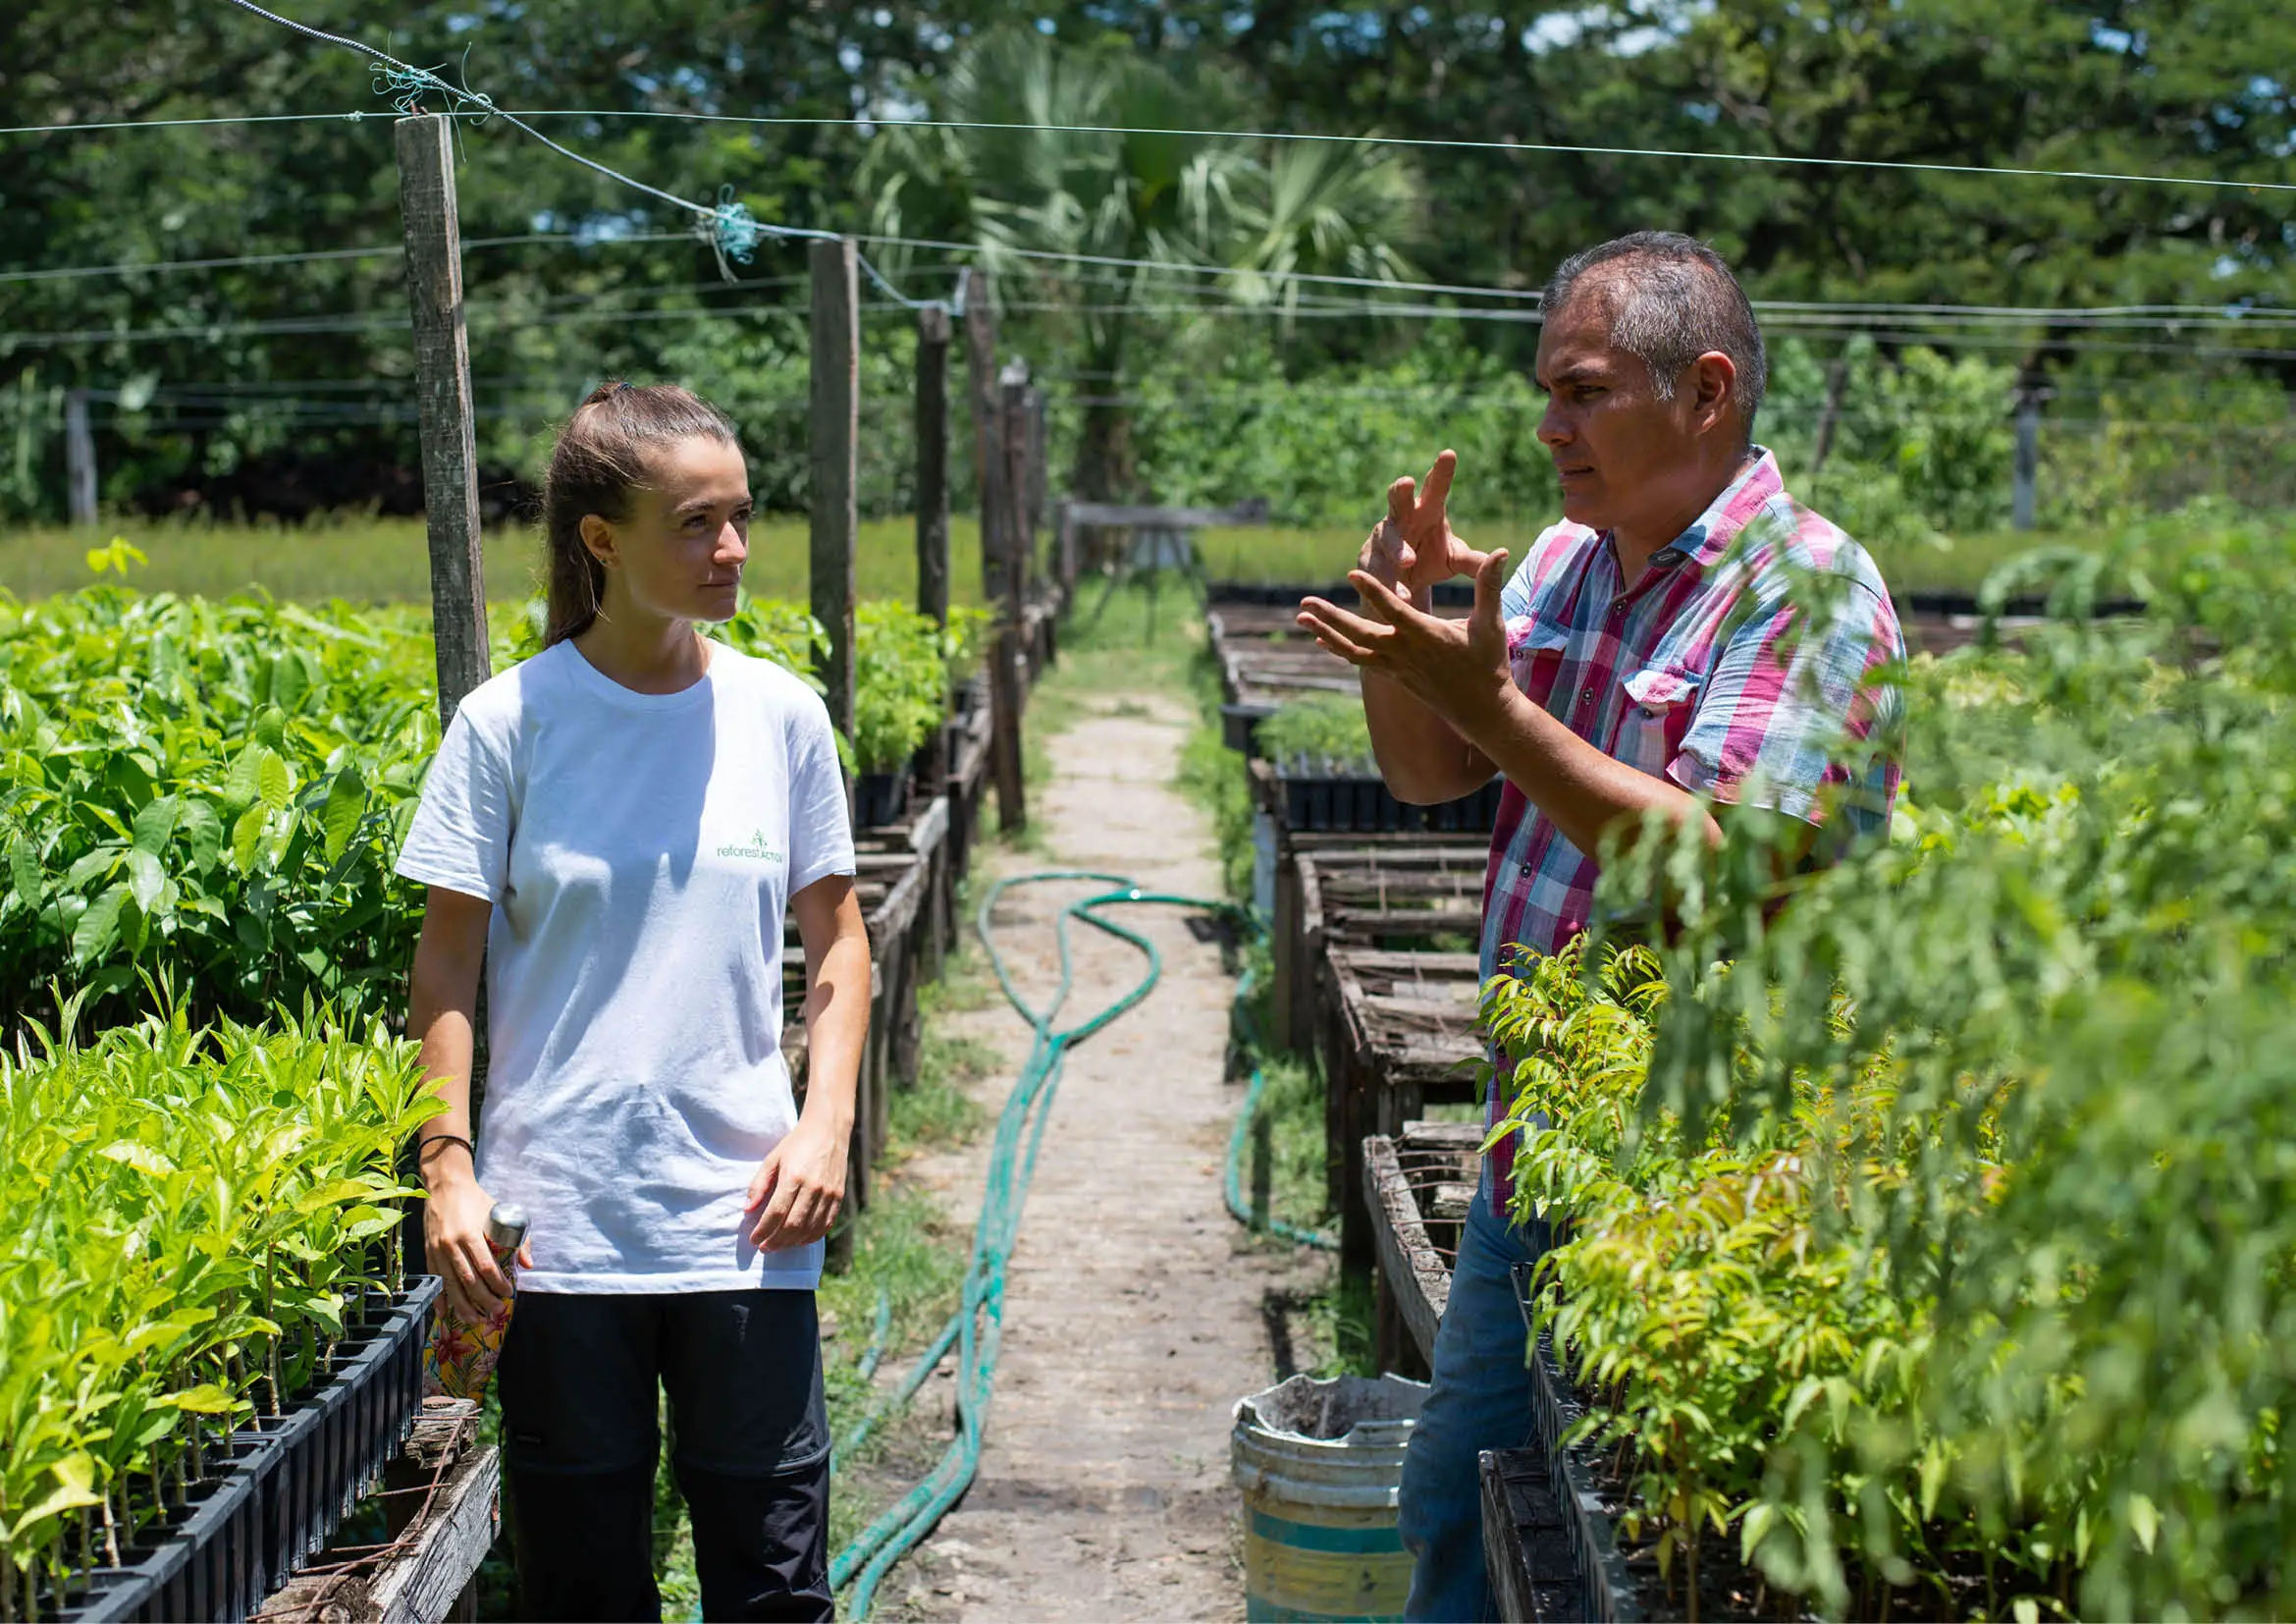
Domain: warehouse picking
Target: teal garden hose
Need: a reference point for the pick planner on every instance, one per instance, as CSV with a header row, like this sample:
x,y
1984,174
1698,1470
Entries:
x,y
975,1329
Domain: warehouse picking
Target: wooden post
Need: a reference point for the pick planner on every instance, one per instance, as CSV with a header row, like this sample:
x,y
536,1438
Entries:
x,y
1038,486
425,145
442,383
932,337
78,459
1020,536
988,457
1830,413
997,518
836,471
2027,469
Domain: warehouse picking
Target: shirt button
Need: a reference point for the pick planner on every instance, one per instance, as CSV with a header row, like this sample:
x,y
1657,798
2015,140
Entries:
x,y
1585,696
1525,871
1618,608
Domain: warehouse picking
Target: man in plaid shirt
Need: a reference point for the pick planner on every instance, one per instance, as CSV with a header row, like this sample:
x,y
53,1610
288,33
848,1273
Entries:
x,y
1647,657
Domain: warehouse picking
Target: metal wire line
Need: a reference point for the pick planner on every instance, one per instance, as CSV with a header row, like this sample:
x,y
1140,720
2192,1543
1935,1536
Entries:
x,y
1429,142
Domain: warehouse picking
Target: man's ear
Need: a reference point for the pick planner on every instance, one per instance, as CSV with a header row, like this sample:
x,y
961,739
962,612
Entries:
x,y
598,537
1713,390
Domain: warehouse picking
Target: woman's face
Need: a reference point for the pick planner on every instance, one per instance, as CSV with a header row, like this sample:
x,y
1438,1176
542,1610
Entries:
x,y
680,552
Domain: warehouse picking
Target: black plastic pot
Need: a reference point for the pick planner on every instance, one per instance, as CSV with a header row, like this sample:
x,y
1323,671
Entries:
x,y
286,1486
1605,1587
1240,727
881,798
1353,803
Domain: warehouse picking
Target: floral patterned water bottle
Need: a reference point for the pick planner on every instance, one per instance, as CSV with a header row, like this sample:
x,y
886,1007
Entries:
x,y
461,1354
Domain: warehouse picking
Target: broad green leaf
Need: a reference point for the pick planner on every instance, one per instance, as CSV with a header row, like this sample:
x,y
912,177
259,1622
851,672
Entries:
x,y
203,831
346,804
155,824
145,879
24,872
141,1157
98,930
65,1497
247,833
271,727
272,783
209,1399
243,782
2144,1521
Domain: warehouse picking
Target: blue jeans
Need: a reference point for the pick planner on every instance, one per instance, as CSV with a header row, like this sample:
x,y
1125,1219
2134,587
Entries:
x,y
1481,1399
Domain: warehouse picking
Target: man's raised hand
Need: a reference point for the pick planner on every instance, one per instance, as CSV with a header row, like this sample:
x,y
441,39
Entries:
x,y
1414,546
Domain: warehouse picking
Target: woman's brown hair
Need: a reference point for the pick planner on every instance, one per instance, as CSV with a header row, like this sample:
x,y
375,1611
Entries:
x,y
601,457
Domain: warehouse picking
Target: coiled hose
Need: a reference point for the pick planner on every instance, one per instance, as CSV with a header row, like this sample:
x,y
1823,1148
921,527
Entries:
x,y
975,1330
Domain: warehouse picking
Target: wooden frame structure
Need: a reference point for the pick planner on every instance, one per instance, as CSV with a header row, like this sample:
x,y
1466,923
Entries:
x,y
1419,1186
1398,1034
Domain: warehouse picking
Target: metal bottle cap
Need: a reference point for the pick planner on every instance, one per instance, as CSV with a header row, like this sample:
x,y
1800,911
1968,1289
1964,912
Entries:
x,y
505,1225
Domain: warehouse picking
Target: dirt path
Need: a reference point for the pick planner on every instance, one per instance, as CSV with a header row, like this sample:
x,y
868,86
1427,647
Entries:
x,y
1136,1313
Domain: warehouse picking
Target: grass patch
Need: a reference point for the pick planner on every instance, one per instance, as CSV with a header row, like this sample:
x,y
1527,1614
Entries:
x,y
371,559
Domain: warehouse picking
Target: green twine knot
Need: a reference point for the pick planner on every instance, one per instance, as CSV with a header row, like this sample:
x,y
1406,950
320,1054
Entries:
x,y
738,230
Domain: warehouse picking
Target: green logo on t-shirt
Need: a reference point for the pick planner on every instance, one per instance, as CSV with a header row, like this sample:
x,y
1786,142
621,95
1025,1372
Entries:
x,y
758,849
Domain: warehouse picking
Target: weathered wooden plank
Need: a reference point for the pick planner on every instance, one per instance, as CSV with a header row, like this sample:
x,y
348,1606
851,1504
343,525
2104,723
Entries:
x,y
424,1585
1442,1136
1417,1276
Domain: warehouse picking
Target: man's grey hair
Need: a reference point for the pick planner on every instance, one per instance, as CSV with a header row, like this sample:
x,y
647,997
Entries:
x,y
1671,300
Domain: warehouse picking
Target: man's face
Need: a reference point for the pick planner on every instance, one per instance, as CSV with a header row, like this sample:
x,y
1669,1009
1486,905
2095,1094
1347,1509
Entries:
x,y
1618,447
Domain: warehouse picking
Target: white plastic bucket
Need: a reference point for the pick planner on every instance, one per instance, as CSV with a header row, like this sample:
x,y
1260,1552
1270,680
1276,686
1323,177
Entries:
x,y
1319,1464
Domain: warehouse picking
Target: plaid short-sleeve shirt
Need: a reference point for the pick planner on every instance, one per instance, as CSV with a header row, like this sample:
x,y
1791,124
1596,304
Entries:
x,y
1704,673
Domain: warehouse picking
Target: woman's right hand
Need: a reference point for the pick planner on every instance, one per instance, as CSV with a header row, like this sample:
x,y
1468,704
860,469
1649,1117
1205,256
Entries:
x,y
454,1244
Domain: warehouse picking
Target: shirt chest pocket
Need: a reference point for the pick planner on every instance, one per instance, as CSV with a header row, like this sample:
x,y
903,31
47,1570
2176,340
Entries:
x,y
1661,700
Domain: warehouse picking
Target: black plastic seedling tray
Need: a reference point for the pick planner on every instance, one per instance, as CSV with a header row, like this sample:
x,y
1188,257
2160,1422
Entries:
x,y
287,1483
881,798
1600,1578
1319,803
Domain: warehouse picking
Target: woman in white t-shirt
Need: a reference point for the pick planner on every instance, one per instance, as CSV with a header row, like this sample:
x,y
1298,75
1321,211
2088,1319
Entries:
x,y
615,829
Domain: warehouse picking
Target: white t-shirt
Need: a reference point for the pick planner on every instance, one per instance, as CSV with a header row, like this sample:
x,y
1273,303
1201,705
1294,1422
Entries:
x,y
640,852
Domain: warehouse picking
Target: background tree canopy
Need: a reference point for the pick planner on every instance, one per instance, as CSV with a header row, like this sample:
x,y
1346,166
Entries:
x,y
280,386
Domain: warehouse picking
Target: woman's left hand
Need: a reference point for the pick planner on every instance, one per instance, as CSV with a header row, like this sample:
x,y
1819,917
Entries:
x,y
800,1186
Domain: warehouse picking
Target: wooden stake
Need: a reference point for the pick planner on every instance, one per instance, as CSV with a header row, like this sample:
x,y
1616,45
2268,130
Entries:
x,y
442,383
987,434
932,335
78,459
1020,535
996,521
836,438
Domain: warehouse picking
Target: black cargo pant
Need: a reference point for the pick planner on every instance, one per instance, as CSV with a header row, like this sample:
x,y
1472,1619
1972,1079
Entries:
x,y
749,1442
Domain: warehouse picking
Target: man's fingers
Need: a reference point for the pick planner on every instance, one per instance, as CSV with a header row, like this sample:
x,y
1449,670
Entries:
x,y
1399,498
1334,641
1383,600
1490,581
1438,491
483,1286
1354,629
761,1183
1388,543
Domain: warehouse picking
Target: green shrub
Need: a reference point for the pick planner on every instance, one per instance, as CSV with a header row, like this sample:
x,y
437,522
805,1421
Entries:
x,y
1323,734
191,1215
1933,1233
210,794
